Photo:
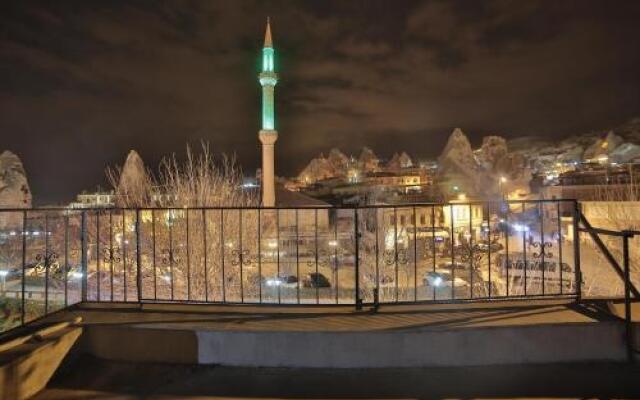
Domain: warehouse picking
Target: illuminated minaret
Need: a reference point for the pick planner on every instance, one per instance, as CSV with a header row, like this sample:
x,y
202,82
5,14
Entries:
x,y
268,134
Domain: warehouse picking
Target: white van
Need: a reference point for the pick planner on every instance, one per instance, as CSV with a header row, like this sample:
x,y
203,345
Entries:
x,y
512,266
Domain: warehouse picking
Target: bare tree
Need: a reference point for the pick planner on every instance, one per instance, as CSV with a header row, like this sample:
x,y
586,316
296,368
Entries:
x,y
192,249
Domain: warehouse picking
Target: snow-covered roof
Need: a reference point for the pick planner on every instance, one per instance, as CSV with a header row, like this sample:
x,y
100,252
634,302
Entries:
x,y
288,198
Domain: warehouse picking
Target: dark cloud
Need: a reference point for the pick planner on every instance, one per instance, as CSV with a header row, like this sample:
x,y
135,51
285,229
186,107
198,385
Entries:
x,y
81,83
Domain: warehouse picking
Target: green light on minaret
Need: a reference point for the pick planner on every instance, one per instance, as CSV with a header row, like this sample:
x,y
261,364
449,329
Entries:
x,y
268,79
267,59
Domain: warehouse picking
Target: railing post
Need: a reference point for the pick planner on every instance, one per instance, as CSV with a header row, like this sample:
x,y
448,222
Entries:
x,y
138,258
83,257
358,300
66,260
576,248
376,299
627,296
24,265
46,263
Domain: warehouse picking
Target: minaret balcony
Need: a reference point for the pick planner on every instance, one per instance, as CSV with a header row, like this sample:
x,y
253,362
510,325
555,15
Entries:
x,y
268,136
268,78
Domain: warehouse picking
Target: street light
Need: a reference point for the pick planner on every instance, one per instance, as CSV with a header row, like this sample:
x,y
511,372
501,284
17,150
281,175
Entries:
x,y
3,276
501,182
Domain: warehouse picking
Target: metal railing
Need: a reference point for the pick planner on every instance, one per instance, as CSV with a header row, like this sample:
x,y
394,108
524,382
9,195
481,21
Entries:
x,y
53,258
630,292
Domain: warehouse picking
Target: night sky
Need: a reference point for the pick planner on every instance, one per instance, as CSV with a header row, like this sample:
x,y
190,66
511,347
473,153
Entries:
x,y
82,82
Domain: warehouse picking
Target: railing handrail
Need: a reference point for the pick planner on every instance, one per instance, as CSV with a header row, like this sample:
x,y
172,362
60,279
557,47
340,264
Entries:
x,y
299,207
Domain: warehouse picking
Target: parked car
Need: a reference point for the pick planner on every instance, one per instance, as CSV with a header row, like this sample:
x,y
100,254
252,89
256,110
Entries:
x,y
493,246
290,281
11,273
440,278
315,280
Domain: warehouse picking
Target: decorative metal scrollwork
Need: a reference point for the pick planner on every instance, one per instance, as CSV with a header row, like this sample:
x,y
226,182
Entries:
x,y
47,259
241,257
111,255
391,257
169,256
542,252
43,261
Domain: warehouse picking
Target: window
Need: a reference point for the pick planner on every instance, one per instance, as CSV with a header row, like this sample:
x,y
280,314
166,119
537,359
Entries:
x,y
423,219
402,220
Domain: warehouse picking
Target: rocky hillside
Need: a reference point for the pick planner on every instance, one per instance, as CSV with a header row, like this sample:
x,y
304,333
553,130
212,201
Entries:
x,y
14,187
620,144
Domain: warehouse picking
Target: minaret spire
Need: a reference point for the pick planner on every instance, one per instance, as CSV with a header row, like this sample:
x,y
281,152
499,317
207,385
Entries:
x,y
268,134
267,35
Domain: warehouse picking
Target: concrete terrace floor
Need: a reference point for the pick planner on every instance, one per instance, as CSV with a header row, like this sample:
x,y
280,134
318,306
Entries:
x,y
86,377
343,318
